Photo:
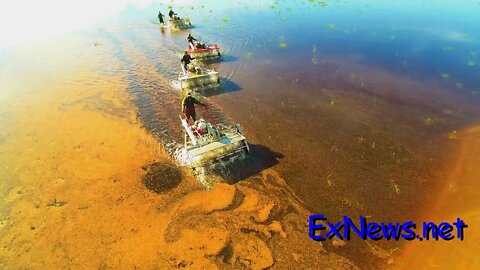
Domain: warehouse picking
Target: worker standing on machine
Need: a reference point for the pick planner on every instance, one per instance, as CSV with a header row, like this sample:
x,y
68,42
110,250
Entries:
x,y
160,18
190,41
188,107
173,15
186,60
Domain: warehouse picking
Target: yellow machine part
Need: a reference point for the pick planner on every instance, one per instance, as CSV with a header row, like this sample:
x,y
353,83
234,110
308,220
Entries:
x,y
194,80
211,152
206,54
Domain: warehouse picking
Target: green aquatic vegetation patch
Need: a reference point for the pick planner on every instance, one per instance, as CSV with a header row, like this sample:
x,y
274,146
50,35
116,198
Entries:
x,y
322,4
170,7
471,63
395,187
333,101
361,139
452,135
314,58
56,203
283,45
451,113
430,121
445,75
449,48
473,53
330,26
226,20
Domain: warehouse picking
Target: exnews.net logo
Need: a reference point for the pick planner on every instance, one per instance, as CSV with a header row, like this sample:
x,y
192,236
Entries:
x,y
320,229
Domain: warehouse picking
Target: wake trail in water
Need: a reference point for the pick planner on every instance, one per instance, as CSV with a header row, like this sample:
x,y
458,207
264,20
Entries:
x,y
147,47
144,84
157,102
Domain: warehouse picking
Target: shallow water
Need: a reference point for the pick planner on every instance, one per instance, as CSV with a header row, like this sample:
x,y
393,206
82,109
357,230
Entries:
x,y
357,116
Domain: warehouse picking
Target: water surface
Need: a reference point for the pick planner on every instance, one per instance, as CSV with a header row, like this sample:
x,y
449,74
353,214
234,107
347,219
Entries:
x,y
360,106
